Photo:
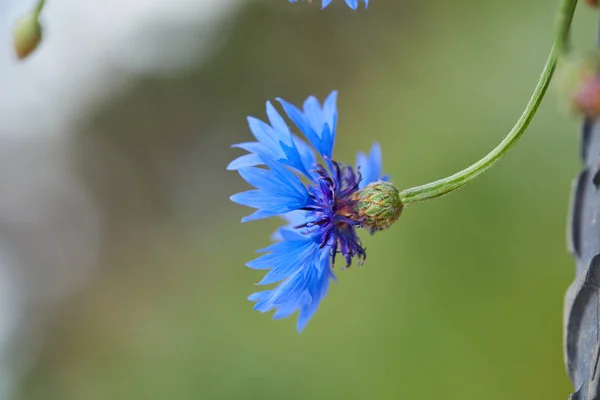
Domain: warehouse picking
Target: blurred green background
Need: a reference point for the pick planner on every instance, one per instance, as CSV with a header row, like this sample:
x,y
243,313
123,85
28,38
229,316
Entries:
x,y
462,299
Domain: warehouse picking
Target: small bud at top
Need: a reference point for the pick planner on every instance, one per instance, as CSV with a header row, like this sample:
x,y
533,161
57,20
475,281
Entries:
x,y
27,35
378,205
592,3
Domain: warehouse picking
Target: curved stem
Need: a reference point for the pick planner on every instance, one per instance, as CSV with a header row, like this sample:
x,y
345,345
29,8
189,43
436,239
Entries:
x,y
446,185
38,8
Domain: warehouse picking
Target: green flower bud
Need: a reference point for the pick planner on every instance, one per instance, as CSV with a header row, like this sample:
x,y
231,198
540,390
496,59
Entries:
x,y
27,35
378,205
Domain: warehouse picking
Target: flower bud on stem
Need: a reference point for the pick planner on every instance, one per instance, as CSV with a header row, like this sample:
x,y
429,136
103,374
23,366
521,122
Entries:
x,y
27,33
378,205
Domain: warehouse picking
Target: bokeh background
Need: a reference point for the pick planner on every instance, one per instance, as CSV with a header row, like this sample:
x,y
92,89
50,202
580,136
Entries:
x,y
122,260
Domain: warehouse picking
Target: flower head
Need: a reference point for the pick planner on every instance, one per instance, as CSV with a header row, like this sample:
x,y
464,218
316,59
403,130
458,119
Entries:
x,y
353,4
323,203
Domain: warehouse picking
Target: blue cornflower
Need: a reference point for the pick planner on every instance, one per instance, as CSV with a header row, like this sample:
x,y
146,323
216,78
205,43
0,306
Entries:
x,y
323,204
353,4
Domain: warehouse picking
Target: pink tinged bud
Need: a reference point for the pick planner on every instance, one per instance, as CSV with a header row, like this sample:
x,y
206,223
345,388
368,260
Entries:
x,y
579,82
27,35
587,99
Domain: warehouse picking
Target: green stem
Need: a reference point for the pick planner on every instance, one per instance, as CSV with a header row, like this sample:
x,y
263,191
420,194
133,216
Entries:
x,y
38,8
446,185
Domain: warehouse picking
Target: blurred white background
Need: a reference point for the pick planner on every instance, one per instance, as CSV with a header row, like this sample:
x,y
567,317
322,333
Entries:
x,y
50,223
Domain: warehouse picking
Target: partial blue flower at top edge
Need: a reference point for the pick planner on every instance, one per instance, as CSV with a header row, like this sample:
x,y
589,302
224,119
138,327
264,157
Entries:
x,y
316,199
353,4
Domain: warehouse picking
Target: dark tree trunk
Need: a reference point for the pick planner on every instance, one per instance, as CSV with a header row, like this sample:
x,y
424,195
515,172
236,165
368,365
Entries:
x,y
582,301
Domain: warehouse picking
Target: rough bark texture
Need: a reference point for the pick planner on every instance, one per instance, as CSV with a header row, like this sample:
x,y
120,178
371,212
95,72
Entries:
x,y
582,302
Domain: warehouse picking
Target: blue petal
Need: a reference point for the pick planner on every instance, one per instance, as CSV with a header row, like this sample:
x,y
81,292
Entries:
x,y
292,293
293,218
257,148
293,158
317,123
279,253
286,258
353,4
258,295
314,113
268,206
260,178
317,290
330,114
306,153
284,176
280,191
284,312
370,166
247,160
264,133
302,291
276,120
276,142
297,155
272,142
296,115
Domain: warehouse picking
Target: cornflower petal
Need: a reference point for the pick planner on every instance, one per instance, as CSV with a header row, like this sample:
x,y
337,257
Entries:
x,y
317,290
280,191
247,160
314,113
330,113
276,145
370,166
303,291
297,116
353,4
282,312
256,149
293,218
315,122
285,258
276,120
290,293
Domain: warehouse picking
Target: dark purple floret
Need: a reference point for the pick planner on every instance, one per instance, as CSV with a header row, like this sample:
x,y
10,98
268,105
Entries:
x,y
332,212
